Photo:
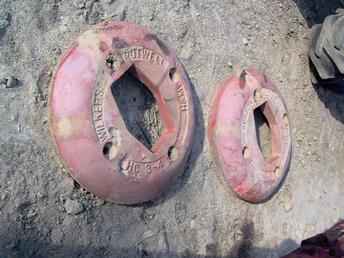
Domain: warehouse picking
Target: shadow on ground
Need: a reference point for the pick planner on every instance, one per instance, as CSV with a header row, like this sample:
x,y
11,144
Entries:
x,y
21,245
315,11
332,100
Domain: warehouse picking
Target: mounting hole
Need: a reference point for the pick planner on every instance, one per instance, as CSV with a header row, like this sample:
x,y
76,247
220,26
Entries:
x,y
285,120
246,152
263,132
107,149
76,185
172,153
112,130
172,74
257,95
277,171
110,61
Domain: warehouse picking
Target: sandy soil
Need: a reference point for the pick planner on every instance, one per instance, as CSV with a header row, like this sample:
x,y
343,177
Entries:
x,y
43,213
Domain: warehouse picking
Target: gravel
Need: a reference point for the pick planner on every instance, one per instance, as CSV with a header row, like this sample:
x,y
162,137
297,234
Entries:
x,y
41,215
73,207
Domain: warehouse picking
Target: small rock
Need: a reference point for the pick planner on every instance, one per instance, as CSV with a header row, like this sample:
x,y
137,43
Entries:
x,y
45,120
67,186
3,197
40,196
4,20
15,117
286,200
3,83
57,51
31,214
79,4
73,207
147,215
192,224
9,82
245,41
88,4
99,202
148,234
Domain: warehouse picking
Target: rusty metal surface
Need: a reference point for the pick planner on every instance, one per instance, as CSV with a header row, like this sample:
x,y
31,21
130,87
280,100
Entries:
x,y
232,134
197,218
87,126
325,245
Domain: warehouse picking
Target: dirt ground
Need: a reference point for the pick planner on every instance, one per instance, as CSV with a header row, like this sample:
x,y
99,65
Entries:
x,y
44,214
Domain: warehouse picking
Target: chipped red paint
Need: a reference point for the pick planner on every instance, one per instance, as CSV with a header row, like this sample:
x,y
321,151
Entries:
x,y
86,125
232,135
326,245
